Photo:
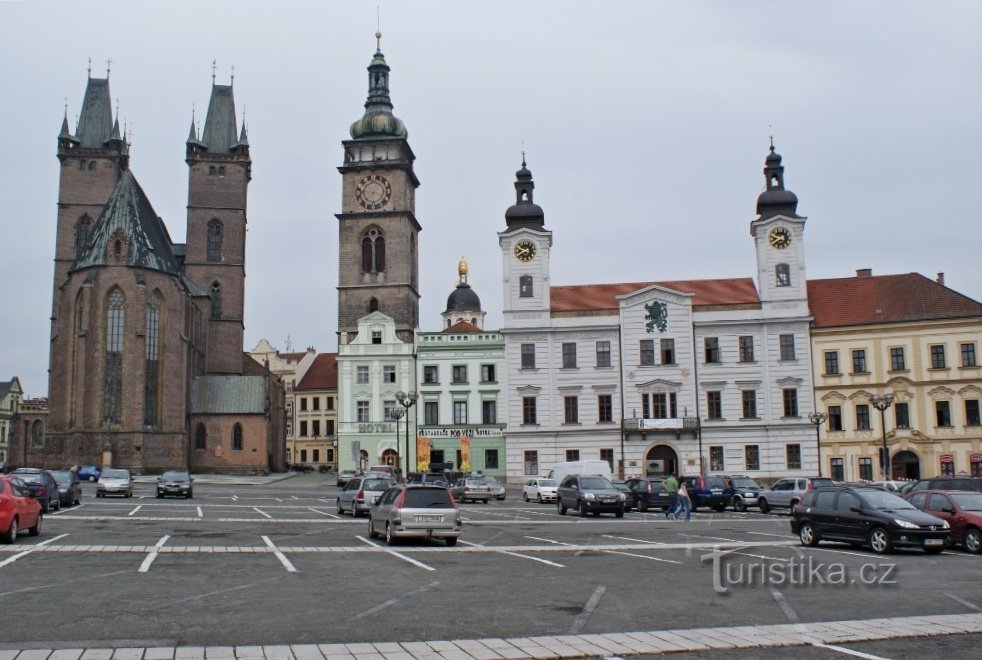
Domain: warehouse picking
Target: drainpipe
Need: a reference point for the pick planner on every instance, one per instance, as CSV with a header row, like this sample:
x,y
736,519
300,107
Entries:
x,y
620,366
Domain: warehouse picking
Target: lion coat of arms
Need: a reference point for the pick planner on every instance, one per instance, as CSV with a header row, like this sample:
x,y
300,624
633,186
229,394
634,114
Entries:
x,y
656,316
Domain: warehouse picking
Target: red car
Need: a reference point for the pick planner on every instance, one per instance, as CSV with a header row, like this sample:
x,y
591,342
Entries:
x,y
962,510
19,509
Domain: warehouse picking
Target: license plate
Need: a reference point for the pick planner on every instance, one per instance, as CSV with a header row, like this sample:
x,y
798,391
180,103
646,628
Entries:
x,y
422,519
933,541
716,491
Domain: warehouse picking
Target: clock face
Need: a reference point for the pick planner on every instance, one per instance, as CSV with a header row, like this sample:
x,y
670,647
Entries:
x,y
525,250
373,192
779,238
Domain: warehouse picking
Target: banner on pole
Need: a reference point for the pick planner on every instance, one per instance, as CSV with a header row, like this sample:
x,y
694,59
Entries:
x,y
465,453
422,453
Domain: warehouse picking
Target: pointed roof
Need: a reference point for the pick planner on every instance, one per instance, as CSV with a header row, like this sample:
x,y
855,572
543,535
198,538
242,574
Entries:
x,y
219,135
321,375
524,213
776,200
866,299
64,132
378,120
12,385
95,122
243,136
729,292
129,217
460,327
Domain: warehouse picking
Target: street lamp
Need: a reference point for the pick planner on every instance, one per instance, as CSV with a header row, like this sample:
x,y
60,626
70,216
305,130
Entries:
x,y
881,403
408,400
818,418
398,413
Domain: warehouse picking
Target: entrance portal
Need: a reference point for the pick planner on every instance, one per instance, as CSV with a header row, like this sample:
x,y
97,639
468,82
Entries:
x,y
661,461
906,465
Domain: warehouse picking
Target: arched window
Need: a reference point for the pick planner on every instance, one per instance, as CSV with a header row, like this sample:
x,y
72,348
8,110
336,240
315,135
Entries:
x,y
214,240
113,379
373,305
37,434
151,376
82,229
782,273
216,300
373,251
474,321
525,286
237,437
92,166
76,347
200,438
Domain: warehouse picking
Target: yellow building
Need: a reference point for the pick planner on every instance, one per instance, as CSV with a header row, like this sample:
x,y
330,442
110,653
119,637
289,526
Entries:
x,y
906,344
314,443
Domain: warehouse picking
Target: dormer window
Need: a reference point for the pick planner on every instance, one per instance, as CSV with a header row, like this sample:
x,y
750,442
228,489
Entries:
x,y
376,336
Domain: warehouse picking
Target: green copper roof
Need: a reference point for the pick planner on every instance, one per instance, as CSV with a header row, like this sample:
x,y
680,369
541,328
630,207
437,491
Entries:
x,y
378,120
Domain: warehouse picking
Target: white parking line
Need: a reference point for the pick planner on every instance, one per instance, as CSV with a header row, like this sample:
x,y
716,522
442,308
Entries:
x,y
631,554
517,554
749,554
200,513
279,555
145,566
30,549
625,538
536,538
591,605
958,599
852,652
261,512
785,606
135,510
323,513
393,601
396,554
780,536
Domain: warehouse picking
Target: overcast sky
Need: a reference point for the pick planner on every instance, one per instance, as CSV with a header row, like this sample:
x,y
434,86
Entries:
x,y
645,125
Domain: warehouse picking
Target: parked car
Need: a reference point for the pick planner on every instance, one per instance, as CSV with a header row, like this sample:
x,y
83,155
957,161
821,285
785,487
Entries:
x,y
962,510
498,491
360,493
88,472
115,481
540,490
589,494
869,516
944,483
713,491
42,485
890,486
745,492
175,482
69,487
19,509
474,489
787,493
344,476
415,511
647,493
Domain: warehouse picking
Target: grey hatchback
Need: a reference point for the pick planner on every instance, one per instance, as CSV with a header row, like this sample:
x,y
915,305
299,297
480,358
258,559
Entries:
x,y
360,493
415,511
589,494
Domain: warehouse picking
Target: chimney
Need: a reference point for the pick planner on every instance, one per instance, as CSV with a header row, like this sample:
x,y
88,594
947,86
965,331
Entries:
x,y
864,272
940,279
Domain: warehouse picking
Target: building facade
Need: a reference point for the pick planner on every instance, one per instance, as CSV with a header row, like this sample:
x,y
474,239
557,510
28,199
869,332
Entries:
x,y
909,344
314,444
11,394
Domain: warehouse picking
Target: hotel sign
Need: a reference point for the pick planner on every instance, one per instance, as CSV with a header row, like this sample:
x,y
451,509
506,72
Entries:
x,y
457,432
641,424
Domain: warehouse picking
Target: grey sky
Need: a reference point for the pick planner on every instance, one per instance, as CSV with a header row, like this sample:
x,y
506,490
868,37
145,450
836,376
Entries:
x,y
645,125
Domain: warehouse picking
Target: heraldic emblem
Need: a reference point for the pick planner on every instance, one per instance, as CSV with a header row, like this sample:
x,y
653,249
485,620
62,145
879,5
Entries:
x,y
656,316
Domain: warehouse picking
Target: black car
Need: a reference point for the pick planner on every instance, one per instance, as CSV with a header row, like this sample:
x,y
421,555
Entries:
x,y
745,492
69,487
867,516
713,491
589,493
647,493
176,483
42,485
944,483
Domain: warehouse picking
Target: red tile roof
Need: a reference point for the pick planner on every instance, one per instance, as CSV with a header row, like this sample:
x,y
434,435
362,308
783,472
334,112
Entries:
x,y
707,293
322,374
885,299
462,326
296,357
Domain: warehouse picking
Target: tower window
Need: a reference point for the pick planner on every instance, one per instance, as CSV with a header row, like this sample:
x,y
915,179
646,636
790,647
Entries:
x,y
237,437
373,251
373,305
200,438
525,286
216,300
782,274
82,229
151,377
92,166
115,319
214,240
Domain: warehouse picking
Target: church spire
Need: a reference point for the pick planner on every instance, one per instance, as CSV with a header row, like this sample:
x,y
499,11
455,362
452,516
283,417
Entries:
x,y
378,120
776,200
95,122
524,212
219,135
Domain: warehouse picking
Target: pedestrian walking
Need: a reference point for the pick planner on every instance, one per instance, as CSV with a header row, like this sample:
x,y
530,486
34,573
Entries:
x,y
672,486
685,504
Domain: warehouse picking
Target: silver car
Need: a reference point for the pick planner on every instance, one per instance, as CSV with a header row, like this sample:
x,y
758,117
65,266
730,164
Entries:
x,y
360,493
787,492
415,511
115,481
540,490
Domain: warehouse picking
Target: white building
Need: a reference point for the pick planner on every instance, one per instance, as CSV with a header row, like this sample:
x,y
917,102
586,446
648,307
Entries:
x,y
658,377
11,394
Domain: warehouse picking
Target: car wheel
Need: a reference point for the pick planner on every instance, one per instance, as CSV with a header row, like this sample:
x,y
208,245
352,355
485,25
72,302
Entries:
x,y
190,494
78,500
583,510
388,534
721,508
973,541
561,507
791,508
371,528
739,504
525,496
879,541
619,513
354,510
46,506
764,506
36,530
340,508
91,477
11,534
487,500
160,495
642,506
807,535
451,541
538,498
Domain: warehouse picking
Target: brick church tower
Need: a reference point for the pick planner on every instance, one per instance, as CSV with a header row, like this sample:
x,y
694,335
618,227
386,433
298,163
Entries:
x,y
378,231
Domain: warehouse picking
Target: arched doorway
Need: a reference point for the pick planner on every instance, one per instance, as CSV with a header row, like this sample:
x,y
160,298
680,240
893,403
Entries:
x,y
661,460
362,461
390,457
906,465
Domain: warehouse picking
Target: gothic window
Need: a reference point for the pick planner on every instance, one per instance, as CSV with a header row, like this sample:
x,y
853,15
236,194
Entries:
x,y
37,434
237,437
200,438
82,229
373,251
525,286
92,166
214,240
783,274
216,300
78,325
151,376
113,379
373,305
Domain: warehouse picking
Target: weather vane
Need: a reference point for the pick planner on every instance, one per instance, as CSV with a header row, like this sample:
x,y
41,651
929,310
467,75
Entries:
x,y
214,66
109,64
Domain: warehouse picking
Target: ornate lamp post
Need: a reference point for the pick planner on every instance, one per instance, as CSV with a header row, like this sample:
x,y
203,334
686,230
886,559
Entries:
x,y
881,403
407,400
398,413
818,418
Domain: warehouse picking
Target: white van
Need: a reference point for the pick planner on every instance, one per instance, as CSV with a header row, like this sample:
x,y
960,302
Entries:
x,y
559,471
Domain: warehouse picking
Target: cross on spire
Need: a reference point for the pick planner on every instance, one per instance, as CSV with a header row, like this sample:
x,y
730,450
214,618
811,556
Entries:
x,y
109,64
214,66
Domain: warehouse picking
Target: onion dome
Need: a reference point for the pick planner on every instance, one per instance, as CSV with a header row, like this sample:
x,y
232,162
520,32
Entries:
x,y
378,120
463,304
524,212
776,200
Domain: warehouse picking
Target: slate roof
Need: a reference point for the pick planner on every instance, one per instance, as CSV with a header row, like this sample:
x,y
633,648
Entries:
x,y
95,121
322,374
128,213
228,394
885,299
706,293
219,134
461,326
6,385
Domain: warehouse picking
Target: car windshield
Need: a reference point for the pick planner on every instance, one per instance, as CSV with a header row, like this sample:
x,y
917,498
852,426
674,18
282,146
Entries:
x,y
475,482
31,477
376,484
822,483
595,482
745,482
174,476
115,474
884,500
715,482
427,498
62,476
968,501
547,483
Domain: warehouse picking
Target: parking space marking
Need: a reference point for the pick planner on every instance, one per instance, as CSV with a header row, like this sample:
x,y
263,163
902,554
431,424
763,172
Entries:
x,y
30,549
145,566
261,512
631,554
396,554
536,538
969,604
750,554
624,538
135,510
842,649
393,601
780,536
200,513
701,536
785,606
323,513
580,621
841,552
279,555
517,554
